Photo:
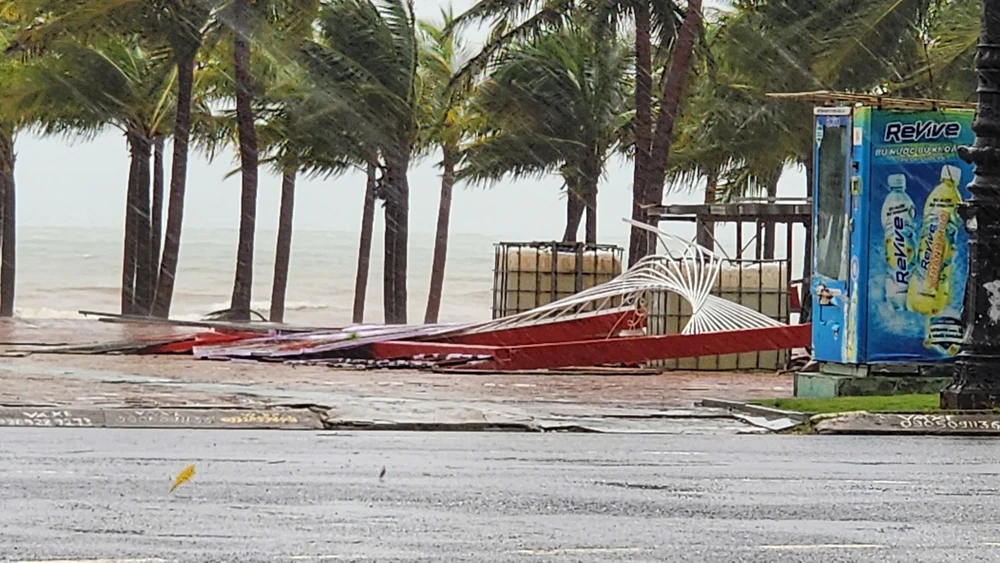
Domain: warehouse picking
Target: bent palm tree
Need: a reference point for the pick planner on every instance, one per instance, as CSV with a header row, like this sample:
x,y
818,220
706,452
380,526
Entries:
x,y
178,24
247,133
294,141
79,89
365,60
445,123
520,19
557,103
8,230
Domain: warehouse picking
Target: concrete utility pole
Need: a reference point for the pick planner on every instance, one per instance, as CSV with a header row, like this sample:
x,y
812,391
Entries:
x,y
976,376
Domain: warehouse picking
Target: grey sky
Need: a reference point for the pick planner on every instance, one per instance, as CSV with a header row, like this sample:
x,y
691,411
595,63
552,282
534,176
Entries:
x,y
65,183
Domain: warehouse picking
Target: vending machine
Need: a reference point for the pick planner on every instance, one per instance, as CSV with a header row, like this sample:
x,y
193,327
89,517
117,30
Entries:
x,y
890,253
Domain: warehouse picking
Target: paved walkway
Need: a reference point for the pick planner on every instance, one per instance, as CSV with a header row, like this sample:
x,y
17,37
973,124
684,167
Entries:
x,y
358,397
75,380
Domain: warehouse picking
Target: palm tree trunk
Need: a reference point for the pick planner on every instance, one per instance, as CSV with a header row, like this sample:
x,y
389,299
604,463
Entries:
x,y
672,89
575,206
8,230
156,213
131,229
144,287
590,231
705,236
638,238
283,252
591,179
243,284
397,200
365,245
178,183
441,239
770,228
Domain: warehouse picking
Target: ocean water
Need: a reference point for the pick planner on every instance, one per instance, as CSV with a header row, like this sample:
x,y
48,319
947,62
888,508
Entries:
x,y
63,270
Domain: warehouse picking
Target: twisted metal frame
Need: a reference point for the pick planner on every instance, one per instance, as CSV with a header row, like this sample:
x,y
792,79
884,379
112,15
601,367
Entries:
x,y
686,269
689,270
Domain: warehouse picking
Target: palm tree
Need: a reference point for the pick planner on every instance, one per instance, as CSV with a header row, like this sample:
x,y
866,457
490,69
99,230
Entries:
x,y
178,24
946,53
78,89
558,103
296,142
243,283
845,45
521,19
8,230
445,123
650,177
701,148
741,140
366,60
276,28
365,243
156,209
183,24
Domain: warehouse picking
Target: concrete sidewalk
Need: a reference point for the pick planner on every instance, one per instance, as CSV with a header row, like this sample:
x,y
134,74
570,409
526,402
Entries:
x,y
391,399
386,399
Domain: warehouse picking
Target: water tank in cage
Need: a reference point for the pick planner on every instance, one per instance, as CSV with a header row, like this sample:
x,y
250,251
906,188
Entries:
x,y
761,285
530,274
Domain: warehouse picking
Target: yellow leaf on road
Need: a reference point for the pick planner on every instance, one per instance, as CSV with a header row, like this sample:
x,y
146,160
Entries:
x,y
183,477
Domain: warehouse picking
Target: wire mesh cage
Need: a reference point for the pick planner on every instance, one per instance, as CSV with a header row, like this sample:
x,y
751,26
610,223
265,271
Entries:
x,y
762,285
531,274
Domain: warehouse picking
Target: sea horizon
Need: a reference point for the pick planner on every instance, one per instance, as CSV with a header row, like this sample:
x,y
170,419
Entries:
x,y
62,270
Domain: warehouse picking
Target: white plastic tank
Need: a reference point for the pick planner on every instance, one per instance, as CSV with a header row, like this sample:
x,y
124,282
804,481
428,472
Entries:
x,y
529,275
761,286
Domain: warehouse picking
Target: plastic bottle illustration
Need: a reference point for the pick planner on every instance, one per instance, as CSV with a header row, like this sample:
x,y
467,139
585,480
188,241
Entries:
x,y
898,213
929,292
930,288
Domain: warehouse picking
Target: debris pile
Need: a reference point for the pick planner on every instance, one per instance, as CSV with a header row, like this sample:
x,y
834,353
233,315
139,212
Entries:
x,y
599,338
600,326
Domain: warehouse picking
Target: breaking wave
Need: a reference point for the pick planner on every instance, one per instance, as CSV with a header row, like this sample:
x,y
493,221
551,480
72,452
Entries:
x,y
265,306
46,313
185,314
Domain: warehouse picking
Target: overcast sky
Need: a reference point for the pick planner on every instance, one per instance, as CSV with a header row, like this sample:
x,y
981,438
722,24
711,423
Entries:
x,y
71,183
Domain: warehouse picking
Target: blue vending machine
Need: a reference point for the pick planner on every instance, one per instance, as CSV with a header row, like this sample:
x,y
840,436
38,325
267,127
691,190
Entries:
x,y
890,253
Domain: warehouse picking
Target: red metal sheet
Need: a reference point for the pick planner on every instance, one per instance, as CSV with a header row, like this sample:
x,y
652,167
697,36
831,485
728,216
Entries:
x,y
394,349
647,348
582,328
186,345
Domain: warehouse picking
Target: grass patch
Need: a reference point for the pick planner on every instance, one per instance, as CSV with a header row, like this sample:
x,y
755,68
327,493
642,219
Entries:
x,y
894,403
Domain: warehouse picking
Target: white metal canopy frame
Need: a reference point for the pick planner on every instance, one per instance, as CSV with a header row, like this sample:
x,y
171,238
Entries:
x,y
686,269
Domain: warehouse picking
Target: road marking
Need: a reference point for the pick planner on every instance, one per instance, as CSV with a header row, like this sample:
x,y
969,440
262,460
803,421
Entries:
x,y
877,482
102,560
991,544
313,557
824,546
577,550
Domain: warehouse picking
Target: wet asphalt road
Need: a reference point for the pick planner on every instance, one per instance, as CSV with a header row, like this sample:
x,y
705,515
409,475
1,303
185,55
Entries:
x,y
273,496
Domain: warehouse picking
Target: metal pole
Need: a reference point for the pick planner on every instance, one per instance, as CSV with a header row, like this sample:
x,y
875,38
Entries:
x,y
976,377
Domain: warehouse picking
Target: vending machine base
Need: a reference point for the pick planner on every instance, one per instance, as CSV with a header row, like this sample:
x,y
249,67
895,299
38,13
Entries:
x,y
848,380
